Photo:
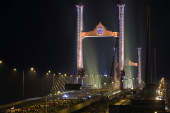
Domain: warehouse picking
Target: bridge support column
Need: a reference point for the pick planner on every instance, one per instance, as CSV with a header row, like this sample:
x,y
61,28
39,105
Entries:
x,y
139,67
121,41
79,37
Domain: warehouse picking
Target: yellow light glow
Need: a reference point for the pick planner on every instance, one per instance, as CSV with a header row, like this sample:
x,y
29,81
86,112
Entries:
x,y
104,83
32,69
94,85
54,74
15,69
112,82
49,71
0,61
64,74
122,80
59,73
133,78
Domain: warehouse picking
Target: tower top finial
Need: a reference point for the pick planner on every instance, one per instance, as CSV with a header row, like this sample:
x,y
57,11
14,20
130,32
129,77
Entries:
x,y
121,5
80,5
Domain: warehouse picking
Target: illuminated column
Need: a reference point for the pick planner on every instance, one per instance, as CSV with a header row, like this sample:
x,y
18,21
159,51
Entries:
x,y
121,36
121,42
139,67
82,82
115,66
79,38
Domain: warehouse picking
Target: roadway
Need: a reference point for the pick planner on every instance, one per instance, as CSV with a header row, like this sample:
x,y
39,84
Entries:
x,y
103,104
57,101
124,101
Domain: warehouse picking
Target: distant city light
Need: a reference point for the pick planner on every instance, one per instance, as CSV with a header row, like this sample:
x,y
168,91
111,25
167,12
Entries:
x,y
112,82
49,71
104,83
15,69
0,61
32,69
54,74
59,73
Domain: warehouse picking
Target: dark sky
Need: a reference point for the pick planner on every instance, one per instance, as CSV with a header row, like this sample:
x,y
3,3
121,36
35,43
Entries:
x,y
41,34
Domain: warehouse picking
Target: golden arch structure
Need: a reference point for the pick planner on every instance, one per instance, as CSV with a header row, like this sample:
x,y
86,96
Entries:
x,y
99,31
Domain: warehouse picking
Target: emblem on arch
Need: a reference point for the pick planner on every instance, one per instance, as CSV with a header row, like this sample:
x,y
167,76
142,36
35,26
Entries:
x,y
100,30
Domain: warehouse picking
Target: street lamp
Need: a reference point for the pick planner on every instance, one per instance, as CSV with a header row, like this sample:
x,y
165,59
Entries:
x,y
23,82
15,69
53,79
0,61
49,71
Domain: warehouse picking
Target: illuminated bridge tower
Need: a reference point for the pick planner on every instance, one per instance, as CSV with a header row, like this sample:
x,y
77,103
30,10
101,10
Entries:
x,y
80,71
139,67
121,44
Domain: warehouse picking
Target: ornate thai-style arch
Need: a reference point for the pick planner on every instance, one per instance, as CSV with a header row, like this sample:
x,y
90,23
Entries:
x,y
99,31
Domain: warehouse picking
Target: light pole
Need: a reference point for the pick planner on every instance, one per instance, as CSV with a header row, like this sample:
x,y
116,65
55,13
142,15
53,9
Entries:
x,y
53,82
23,85
32,69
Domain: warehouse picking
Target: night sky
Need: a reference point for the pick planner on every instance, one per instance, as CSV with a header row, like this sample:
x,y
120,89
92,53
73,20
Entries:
x,y
42,34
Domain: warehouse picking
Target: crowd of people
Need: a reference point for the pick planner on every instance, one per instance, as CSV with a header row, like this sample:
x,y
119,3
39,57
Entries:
x,y
49,106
